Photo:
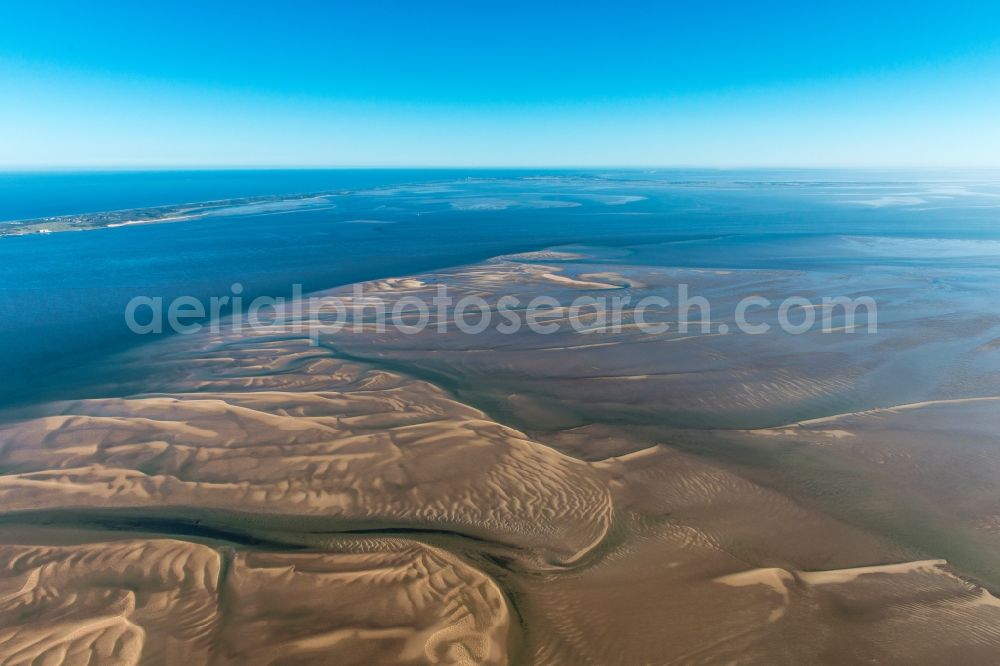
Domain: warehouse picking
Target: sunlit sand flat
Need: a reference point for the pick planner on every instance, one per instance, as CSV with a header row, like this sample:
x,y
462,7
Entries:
x,y
162,600
499,334
469,499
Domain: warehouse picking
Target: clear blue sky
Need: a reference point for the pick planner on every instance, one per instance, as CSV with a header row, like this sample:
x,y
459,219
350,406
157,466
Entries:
x,y
760,83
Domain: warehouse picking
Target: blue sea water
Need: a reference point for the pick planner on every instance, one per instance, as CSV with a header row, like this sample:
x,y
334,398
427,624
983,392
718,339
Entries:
x,y
63,295
36,194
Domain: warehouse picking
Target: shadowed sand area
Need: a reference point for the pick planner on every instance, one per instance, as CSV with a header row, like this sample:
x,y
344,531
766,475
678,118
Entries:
x,y
599,497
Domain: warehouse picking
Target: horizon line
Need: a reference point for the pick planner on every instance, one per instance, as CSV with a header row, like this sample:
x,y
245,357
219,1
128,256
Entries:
x,y
27,168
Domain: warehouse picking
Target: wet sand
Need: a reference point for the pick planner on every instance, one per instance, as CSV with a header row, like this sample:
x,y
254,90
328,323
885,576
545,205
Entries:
x,y
603,497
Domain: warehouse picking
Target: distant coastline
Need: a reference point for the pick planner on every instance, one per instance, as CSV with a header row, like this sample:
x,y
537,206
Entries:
x,y
163,214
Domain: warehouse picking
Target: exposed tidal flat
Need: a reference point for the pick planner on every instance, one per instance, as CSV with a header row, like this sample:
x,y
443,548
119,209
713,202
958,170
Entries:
x,y
609,496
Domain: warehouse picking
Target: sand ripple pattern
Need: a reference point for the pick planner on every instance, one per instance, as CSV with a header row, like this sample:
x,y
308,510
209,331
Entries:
x,y
165,602
339,506
404,455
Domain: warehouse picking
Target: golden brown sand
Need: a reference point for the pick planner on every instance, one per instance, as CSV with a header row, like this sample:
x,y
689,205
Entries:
x,y
168,601
254,499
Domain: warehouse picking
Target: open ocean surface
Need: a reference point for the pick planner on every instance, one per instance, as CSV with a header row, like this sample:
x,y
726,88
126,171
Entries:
x,y
63,295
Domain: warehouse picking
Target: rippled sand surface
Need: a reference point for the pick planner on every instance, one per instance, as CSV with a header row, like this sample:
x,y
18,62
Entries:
x,y
608,497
